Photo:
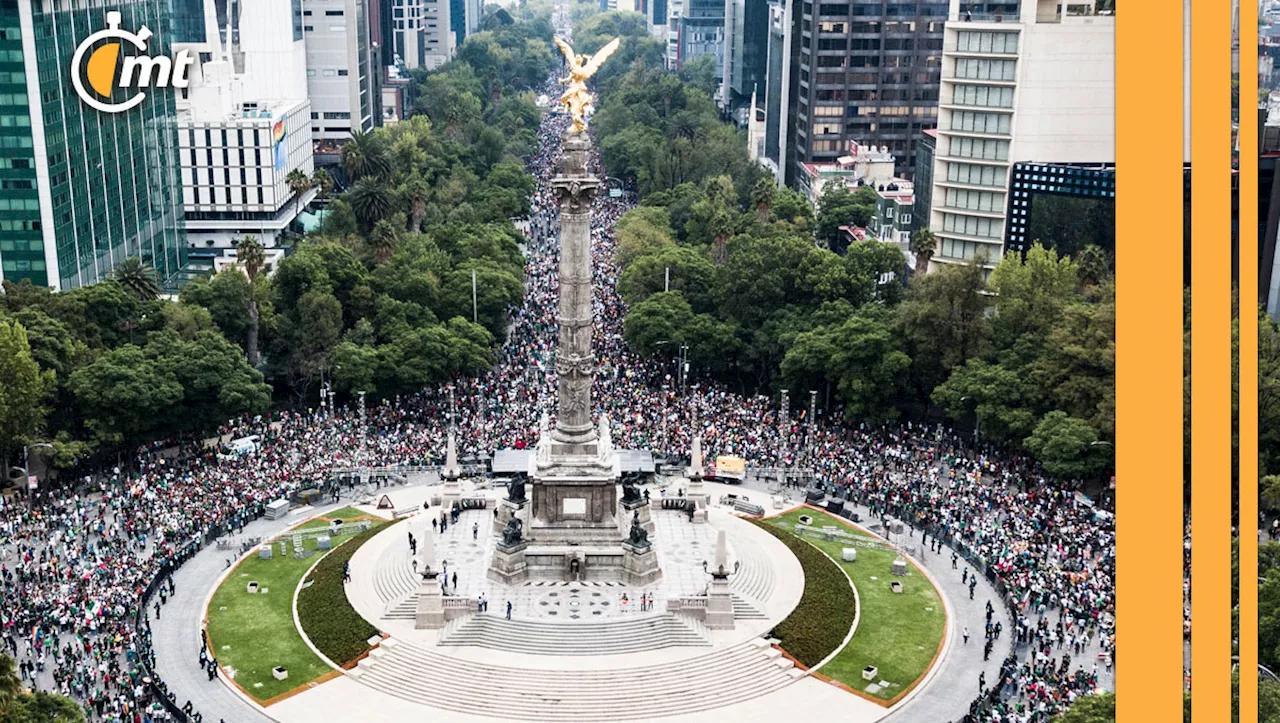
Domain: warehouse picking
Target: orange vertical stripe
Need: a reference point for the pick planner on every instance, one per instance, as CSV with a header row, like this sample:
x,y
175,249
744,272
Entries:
x,y
1149,361
1248,391
1211,422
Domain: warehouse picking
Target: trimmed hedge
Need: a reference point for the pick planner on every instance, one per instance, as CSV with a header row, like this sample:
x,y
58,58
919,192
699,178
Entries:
x,y
324,612
819,624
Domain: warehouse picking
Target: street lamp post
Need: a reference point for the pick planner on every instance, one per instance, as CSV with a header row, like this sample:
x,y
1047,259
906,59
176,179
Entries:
x,y
813,414
977,420
664,418
26,461
364,431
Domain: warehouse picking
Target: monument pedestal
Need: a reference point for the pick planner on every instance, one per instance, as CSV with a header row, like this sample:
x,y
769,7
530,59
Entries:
x,y
696,495
509,565
641,508
719,604
430,613
506,510
640,565
452,493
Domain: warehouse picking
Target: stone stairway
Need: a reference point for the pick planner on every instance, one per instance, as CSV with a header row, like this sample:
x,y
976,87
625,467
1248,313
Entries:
x,y
693,685
395,583
606,637
752,586
744,610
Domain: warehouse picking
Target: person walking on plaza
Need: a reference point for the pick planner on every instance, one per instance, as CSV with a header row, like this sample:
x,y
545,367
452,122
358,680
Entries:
x,y
475,530
508,610
966,634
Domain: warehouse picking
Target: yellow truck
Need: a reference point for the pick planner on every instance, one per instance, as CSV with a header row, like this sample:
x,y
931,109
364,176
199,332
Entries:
x,y
729,469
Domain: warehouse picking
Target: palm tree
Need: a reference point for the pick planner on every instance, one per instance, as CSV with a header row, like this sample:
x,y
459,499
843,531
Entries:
x,y
924,245
252,257
299,183
721,230
1093,264
370,202
10,684
416,192
364,155
383,238
321,179
762,198
138,278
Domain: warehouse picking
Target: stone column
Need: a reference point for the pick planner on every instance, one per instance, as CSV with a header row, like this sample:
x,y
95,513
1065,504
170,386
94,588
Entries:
x,y
451,472
575,188
430,611
719,598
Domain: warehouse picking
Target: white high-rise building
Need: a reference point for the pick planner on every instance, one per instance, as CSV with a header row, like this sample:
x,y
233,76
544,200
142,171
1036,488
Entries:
x,y
341,70
1033,85
244,121
422,32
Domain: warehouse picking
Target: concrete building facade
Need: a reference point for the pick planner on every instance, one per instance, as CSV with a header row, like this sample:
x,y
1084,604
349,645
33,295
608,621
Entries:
x,y
1033,81
866,71
244,123
341,67
422,33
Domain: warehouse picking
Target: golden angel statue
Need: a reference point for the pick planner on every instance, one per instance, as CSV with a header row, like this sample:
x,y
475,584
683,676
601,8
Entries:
x,y
576,97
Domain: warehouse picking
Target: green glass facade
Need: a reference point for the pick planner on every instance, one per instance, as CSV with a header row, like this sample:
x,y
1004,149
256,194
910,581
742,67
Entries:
x,y
113,179
21,237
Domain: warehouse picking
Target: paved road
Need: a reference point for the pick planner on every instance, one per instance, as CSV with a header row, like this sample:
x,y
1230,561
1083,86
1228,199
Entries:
x,y
955,684
176,635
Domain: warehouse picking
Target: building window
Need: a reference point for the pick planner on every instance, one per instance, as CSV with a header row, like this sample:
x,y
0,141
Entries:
x,y
981,148
980,122
972,226
983,96
974,175
985,42
984,69
975,200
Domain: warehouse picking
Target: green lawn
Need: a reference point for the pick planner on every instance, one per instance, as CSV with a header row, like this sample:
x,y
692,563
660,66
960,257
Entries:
x,y
346,513
899,633
254,633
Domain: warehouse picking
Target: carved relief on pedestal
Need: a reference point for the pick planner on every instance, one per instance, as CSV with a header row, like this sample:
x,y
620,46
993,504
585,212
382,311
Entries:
x,y
574,194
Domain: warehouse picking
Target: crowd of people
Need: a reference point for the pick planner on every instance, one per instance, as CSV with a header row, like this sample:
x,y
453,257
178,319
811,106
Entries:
x,y
76,565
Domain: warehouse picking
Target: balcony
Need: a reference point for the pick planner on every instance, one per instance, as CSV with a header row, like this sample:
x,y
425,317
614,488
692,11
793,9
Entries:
x,y
968,17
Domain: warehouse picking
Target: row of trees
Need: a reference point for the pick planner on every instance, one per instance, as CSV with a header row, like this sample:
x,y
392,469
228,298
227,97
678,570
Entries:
x,y
770,295
109,365
379,299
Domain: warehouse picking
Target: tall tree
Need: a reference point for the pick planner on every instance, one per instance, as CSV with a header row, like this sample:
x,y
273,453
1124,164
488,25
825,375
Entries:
x,y
762,198
299,183
251,257
924,245
138,278
364,156
943,320
383,238
23,388
370,201
10,685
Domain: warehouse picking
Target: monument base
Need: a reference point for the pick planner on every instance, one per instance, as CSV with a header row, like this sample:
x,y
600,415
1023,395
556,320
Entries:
x,y
509,564
506,510
640,565
430,613
633,508
719,605
576,563
451,493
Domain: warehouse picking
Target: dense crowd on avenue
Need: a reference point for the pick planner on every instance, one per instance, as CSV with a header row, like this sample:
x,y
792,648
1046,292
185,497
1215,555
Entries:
x,y
75,566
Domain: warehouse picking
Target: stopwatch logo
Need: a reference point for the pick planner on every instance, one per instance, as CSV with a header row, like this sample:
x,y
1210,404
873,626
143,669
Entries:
x,y
106,72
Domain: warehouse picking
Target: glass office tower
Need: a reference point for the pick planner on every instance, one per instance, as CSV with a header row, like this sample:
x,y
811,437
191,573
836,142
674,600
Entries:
x,y
85,189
